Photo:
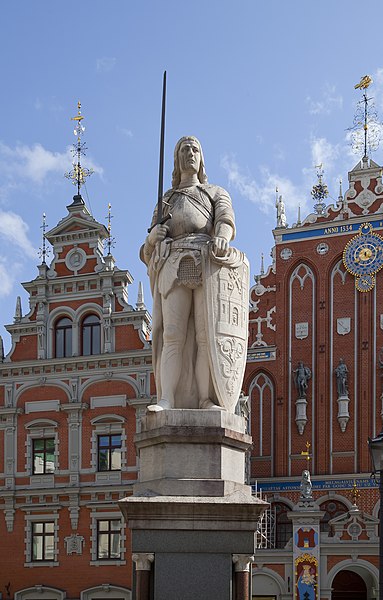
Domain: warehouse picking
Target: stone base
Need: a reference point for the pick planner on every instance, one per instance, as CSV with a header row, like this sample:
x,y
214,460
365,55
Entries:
x,y
196,543
192,453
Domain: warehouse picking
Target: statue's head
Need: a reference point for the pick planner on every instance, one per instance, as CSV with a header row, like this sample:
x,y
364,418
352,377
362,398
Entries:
x,y
176,176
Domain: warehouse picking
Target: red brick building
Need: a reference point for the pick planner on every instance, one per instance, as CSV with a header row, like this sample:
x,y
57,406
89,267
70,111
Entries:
x,y
72,390
308,311
79,376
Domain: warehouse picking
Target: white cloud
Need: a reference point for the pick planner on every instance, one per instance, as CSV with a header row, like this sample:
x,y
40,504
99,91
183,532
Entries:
x,y
14,231
7,277
125,131
35,163
262,191
324,152
105,64
329,101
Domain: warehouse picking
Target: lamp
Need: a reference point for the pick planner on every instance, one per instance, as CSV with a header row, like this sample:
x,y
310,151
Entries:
x,y
375,446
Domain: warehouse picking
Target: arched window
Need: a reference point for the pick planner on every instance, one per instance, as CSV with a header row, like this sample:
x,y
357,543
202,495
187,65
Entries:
x,y
332,508
283,525
91,335
63,338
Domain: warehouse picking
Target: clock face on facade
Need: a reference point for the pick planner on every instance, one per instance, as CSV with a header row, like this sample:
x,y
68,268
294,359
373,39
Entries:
x,y
363,257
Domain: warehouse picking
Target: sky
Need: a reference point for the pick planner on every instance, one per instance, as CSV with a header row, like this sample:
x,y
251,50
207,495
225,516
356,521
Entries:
x,y
267,87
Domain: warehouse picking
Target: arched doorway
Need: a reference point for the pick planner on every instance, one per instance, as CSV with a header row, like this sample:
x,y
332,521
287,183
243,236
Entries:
x,y
348,585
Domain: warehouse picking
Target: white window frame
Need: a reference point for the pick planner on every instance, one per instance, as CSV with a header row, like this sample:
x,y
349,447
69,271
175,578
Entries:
x,y
39,592
40,518
112,591
37,430
106,516
108,425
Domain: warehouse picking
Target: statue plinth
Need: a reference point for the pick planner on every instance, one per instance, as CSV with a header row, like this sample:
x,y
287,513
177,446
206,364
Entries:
x,y
191,511
192,453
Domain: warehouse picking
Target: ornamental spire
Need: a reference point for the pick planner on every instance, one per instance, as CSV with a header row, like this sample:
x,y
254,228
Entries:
x,y
110,241
319,191
79,173
43,250
365,131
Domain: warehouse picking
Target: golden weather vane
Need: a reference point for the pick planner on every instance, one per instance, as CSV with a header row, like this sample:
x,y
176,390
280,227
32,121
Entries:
x,y
79,173
365,132
355,494
306,454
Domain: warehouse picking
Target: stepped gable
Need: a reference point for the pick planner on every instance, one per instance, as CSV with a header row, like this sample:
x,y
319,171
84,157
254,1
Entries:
x,y
78,281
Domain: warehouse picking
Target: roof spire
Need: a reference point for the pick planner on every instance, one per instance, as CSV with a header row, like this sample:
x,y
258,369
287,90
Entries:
x,y
140,297
43,250
365,132
299,222
319,191
262,265
110,241
79,173
18,311
340,197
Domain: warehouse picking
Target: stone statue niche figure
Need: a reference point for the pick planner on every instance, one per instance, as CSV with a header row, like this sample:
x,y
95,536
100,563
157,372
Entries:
x,y
281,214
302,375
306,485
341,373
179,254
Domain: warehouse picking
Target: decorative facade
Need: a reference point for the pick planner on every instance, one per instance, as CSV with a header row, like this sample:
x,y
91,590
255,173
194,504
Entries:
x,y
314,376
72,390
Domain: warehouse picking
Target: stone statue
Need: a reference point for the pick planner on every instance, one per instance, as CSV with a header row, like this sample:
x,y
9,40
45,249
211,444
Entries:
x,y
302,376
200,291
306,485
281,214
341,373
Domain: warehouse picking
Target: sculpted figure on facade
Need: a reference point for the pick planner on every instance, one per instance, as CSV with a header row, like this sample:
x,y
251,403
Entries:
x,y
281,212
302,375
306,485
341,373
200,291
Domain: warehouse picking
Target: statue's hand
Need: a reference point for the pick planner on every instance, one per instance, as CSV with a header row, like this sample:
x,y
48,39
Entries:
x,y
158,234
220,246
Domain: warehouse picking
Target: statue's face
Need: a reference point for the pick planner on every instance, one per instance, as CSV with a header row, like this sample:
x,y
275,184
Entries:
x,y
189,157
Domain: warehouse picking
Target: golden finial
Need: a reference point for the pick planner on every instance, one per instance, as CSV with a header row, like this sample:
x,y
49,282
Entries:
x,y
79,173
363,83
355,494
306,454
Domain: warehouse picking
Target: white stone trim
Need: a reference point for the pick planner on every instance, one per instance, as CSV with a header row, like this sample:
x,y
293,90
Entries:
x,y
104,516
40,518
112,591
106,401
309,274
108,425
42,406
266,384
39,592
40,429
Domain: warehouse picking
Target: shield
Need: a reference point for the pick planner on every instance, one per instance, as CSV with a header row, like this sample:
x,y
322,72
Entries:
x,y
226,293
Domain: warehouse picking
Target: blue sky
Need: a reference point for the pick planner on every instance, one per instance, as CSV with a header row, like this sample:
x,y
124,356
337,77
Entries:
x,y
268,88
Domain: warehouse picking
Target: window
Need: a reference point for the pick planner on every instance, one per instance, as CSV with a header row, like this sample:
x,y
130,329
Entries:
x,y
43,541
43,456
109,452
91,335
63,338
108,539
284,527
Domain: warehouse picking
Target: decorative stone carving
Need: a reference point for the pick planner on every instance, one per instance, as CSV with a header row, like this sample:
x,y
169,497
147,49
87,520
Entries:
x,y
74,544
306,486
242,562
200,291
281,212
341,373
143,561
302,376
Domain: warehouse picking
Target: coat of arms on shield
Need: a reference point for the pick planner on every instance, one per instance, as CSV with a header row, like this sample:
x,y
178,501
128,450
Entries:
x,y
227,316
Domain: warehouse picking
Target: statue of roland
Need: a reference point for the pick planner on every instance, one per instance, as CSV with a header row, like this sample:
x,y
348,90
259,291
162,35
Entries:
x,y
199,349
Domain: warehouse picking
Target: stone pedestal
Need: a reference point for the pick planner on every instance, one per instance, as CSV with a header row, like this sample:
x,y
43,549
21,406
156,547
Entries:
x,y
191,508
